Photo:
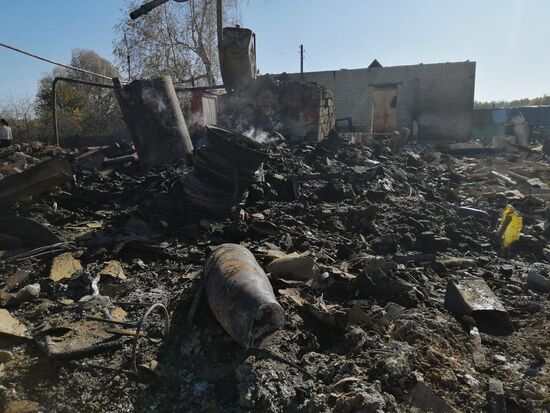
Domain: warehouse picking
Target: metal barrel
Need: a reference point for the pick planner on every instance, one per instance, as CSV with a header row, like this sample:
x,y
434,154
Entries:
x,y
241,297
154,118
243,152
223,170
239,57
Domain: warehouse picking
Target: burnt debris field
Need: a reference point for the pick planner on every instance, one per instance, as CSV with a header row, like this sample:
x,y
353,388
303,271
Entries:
x,y
395,285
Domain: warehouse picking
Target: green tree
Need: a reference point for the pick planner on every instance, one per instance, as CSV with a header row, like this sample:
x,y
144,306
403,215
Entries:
x,y
542,100
82,110
19,112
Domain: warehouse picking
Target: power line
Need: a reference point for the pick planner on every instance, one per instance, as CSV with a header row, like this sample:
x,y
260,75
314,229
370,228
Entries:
x,y
54,63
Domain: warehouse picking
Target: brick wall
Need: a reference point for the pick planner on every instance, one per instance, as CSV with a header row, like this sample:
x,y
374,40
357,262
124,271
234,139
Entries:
x,y
439,96
298,110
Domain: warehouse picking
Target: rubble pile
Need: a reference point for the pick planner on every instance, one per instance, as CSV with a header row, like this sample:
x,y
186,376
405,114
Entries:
x,y
398,294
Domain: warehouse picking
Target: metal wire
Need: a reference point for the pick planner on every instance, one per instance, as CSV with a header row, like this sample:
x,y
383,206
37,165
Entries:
x,y
142,323
15,49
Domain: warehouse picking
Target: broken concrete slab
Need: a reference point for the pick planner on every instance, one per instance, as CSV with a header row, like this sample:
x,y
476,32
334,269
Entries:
x,y
35,181
473,297
478,351
118,314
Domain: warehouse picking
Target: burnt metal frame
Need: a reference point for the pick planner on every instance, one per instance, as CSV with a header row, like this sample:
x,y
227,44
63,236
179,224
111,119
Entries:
x,y
54,98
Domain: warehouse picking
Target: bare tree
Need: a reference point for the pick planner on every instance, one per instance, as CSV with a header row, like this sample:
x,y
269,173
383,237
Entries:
x,y
175,39
19,112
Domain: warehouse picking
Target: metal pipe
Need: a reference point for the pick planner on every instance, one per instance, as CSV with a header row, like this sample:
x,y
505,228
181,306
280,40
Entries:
x,y
54,97
142,323
198,88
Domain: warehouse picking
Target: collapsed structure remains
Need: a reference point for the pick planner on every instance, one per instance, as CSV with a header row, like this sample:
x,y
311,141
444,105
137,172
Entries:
x,y
270,263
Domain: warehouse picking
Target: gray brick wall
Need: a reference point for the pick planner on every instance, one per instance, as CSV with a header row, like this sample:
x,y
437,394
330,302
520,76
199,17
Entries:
x,y
439,96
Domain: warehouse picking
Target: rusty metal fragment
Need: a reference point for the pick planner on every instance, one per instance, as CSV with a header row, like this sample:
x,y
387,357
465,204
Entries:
x,y
78,340
35,181
473,297
241,297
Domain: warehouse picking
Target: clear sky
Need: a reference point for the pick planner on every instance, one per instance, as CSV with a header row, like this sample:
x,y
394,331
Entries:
x,y
509,39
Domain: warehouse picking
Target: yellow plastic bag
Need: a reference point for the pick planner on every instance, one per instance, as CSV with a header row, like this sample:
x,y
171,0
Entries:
x,y
510,226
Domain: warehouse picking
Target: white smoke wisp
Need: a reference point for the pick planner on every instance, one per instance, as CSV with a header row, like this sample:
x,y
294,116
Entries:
x,y
197,118
152,100
261,136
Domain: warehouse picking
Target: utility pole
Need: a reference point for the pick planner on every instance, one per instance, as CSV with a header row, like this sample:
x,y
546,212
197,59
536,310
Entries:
x,y
128,56
302,60
219,24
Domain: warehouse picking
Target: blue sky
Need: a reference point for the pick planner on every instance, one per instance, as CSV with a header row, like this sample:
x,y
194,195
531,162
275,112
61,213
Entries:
x,y
507,38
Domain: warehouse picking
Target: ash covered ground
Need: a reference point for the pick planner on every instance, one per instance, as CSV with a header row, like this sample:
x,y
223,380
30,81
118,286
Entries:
x,y
367,332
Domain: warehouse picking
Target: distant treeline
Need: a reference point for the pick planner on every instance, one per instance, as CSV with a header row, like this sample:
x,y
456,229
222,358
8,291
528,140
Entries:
x,y
543,100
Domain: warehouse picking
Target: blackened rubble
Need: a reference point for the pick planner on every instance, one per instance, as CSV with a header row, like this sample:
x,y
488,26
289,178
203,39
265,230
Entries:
x,y
366,330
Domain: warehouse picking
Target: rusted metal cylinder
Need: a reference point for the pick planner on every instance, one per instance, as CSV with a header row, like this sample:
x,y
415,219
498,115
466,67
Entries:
x,y
223,169
154,118
239,57
241,297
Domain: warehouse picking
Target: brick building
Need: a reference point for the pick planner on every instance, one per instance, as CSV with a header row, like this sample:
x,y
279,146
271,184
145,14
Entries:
x,y
301,111
439,97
